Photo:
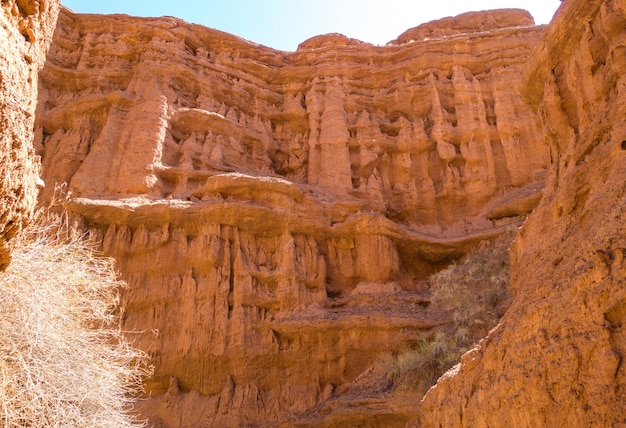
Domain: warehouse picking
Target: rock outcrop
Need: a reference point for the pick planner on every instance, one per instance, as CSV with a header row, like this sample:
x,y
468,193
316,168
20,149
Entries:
x,y
557,357
26,28
466,23
276,214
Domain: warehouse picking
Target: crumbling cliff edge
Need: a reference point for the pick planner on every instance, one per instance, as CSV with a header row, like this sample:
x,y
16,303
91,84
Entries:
x,y
26,29
556,359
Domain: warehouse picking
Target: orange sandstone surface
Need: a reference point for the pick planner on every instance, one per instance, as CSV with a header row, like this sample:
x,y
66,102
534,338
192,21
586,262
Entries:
x,y
26,28
557,356
276,214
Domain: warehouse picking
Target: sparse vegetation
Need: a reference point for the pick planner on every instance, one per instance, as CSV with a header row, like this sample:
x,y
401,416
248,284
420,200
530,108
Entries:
x,y
63,359
475,292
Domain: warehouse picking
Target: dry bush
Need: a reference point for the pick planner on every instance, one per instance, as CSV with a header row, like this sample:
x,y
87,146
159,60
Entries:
x,y
476,293
417,369
477,289
63,360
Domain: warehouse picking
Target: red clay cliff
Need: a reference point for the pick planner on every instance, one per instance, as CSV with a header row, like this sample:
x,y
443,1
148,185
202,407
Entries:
x,y
277,214
25,34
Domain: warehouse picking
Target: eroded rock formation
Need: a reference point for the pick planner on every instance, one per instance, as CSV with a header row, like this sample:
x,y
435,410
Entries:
x,y
557,357
466,23
26,28
276,214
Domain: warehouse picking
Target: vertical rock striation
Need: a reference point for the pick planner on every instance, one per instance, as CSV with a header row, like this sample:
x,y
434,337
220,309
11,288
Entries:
x,y
276,214
26,28
557,357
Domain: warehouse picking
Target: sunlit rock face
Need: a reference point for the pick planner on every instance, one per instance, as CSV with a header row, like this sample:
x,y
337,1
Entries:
x,y
276,214
557,357
26,28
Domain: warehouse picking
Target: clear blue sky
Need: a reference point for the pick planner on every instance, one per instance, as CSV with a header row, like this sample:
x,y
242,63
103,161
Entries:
x,y
283,24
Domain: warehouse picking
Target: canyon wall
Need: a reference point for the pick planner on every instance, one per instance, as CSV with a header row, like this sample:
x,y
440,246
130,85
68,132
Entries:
x,y
26,28
557,357
276,214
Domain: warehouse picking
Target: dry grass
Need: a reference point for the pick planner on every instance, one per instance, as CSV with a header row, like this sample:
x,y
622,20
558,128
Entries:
x,y
477,289
63,360
476,293
417,369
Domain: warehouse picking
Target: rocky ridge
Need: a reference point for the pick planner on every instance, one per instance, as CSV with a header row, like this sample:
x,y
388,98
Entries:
x,y
276,214
26,28
466,23
557,357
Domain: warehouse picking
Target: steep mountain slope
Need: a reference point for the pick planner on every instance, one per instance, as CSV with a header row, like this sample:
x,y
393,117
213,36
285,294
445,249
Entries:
x,y
276,214
26,28
557,357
